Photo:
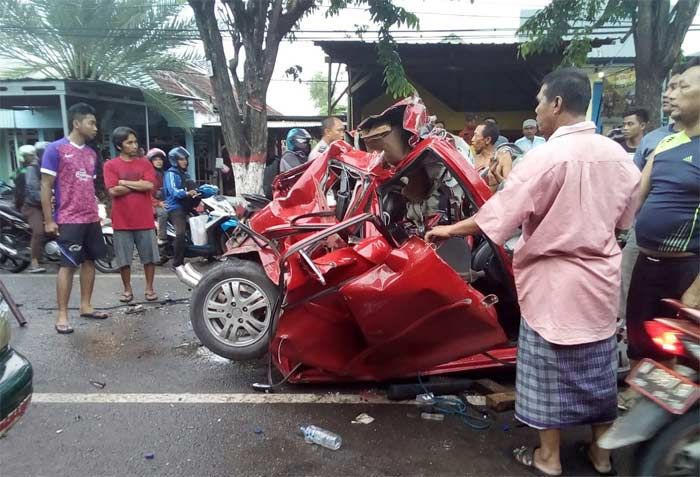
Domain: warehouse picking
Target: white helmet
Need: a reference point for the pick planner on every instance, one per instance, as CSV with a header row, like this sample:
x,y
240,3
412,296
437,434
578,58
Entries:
x,y
27,150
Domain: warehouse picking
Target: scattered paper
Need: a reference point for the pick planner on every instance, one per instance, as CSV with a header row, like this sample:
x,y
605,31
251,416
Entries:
x,y
363,418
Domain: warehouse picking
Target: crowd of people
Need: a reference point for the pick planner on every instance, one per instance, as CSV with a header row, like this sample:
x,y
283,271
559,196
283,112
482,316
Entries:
x,y
55,189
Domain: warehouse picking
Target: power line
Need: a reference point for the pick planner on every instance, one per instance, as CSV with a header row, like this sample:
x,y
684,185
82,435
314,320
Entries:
x,y
302,31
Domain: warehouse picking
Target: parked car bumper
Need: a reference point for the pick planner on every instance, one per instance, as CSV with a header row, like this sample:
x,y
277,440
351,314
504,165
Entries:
x,y
15,387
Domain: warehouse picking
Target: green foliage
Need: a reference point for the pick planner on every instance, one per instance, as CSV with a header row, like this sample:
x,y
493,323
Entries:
x,y
121,41
387,15
575,21
318,89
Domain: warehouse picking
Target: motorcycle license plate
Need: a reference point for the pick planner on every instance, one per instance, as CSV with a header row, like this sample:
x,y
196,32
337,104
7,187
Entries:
x,y
669,389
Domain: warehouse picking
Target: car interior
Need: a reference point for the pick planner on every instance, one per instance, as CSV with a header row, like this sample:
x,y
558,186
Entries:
x,y
474,260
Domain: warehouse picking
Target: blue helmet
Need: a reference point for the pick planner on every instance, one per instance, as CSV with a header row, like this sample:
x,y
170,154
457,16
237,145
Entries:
x,y
177,153
299,140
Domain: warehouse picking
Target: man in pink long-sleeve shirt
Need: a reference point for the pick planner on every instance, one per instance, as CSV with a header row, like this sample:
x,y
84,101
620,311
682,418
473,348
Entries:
x,y
569,195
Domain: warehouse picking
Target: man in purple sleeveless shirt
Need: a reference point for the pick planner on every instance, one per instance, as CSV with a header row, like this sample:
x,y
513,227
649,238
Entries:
x,y
68,170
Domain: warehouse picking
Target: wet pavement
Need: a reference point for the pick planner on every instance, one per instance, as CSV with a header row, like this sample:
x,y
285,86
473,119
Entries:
x,y
218,425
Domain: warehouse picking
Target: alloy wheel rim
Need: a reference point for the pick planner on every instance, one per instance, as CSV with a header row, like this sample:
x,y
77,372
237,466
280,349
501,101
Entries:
x,y
237,312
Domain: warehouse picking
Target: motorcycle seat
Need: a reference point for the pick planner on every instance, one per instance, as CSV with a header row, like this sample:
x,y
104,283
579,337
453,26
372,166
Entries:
x,y
11,211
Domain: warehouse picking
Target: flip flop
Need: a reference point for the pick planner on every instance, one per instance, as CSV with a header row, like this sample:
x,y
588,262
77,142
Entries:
x,y
126,297
63,329
151,296
95,315
525,456
585,450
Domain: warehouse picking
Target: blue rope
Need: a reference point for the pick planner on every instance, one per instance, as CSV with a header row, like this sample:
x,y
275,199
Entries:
x,y
457,407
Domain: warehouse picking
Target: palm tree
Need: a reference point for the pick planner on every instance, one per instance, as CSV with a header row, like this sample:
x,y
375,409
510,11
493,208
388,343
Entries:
x,y
121,41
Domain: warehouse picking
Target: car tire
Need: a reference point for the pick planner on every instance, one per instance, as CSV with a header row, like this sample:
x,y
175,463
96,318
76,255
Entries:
x,y
653,456
223,323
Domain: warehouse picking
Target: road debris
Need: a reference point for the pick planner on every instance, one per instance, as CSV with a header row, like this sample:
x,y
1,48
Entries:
x,y
426,398
98,384
131,310
321,437
149,455
475,399
431,416
363,418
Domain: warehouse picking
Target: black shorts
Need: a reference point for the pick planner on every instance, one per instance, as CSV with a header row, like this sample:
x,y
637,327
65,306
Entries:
x,y
80,242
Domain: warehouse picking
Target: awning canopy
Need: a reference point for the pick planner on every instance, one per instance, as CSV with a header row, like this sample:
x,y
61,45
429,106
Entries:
x,y
466,77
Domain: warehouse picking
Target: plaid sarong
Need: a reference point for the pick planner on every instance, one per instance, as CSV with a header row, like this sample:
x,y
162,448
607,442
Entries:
x,y
559,386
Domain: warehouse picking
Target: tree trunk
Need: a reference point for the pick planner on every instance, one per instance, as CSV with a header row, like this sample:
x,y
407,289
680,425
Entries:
x,y
649,82
248,168
659,31
245,135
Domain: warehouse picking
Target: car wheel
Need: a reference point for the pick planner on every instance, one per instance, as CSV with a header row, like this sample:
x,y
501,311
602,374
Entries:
x,y
231,309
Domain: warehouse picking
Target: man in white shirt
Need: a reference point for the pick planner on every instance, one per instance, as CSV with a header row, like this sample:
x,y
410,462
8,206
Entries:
x,y
530,138
333,130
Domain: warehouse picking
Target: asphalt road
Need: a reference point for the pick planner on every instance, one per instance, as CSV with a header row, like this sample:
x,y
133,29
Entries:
x,y
170,408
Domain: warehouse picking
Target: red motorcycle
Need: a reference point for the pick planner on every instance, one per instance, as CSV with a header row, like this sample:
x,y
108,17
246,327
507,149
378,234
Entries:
x,y
335,281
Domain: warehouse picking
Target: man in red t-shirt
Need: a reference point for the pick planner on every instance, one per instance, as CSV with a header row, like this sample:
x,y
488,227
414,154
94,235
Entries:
x,y
129,180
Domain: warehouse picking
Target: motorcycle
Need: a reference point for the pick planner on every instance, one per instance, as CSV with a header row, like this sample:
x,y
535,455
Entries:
x,y
664,421
15,237
213,227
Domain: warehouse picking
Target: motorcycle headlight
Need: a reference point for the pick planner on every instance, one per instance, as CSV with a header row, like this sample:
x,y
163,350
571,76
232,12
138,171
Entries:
x,y
4,325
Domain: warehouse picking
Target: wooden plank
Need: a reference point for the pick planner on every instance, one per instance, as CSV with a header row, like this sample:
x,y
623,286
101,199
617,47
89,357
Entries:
x,y
501,401
489,386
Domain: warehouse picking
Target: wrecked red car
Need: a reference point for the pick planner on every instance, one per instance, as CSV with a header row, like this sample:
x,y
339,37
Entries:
x,y
333,279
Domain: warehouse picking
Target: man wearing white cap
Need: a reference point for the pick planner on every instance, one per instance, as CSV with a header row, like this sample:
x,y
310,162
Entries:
x,y
530,139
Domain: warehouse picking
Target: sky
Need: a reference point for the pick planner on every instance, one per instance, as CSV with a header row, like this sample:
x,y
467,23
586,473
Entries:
x,y
291,97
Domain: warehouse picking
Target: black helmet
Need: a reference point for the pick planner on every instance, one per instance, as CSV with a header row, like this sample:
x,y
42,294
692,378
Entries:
x,y
177,153
299,140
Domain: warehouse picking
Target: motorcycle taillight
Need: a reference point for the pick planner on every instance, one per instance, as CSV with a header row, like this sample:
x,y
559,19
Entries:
x,y
665,337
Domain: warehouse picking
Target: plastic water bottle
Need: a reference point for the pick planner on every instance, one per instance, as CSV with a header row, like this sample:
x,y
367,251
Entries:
x,y
322,437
